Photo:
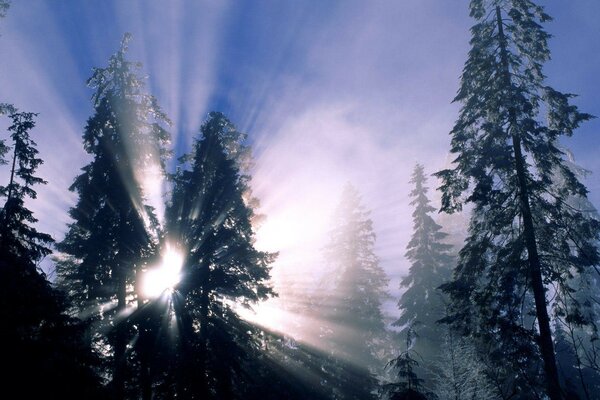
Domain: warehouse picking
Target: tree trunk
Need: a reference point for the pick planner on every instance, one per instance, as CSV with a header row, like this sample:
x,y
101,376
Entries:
x,y
118,382
144,340
204,303
7,205
12,174
545,343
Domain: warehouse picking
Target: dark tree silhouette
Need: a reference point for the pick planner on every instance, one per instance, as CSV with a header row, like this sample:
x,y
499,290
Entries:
x,y
114,233
522,235
210,221
45,354
409,385
17,235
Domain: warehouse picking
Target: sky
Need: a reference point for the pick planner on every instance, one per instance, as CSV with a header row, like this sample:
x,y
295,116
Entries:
x,y
329,92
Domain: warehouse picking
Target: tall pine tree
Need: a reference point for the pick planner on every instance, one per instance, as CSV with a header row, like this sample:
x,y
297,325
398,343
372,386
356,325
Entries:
x,y
423,304
112,235
522,235
353,327
210,220
43,344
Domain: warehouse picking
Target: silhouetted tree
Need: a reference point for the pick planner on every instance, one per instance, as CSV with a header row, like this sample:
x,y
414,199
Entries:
x,y
210,220
408,386
113,233
422,304
522,235
44,352
17,235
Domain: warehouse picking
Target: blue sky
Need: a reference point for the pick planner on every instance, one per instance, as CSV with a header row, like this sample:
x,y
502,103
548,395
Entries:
x,y
329,92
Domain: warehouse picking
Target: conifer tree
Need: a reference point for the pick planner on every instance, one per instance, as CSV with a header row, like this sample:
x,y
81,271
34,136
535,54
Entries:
x,y
460,373
522,235
17,235
4,5
43,344
409,385
111,236
353,326
210,220
577,311
422,304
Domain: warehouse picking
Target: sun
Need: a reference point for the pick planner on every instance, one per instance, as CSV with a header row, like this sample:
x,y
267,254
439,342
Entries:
x,y
163,277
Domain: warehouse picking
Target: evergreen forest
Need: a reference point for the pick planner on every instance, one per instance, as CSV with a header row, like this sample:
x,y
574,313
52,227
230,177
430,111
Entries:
x,y
158,263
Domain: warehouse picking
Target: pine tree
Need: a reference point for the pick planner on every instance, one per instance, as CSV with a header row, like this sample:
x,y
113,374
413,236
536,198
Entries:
x,y
113,235
423,304
577,311
43,344
4,5
460,373
210,220
17,235
405,365
353,326
522,235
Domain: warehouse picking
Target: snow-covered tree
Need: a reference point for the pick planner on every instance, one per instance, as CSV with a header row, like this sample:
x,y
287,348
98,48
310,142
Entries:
x,y
460,373
522,235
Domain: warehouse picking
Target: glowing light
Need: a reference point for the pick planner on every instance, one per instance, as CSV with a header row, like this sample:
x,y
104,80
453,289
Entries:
x,y
266,314
164,277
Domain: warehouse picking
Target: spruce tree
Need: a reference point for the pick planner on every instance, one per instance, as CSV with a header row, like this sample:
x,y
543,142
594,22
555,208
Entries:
x,y
4,5
577,311
409,385
522,235
18,236
112,233
423,304
210,220
353,327
43,344
460,373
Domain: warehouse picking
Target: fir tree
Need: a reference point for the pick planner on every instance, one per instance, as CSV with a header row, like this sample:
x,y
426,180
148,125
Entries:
x,y
17,235
422,304
460,373
4,6
576,311
210,220
43,344
112,235
353,326
405,365
522,235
